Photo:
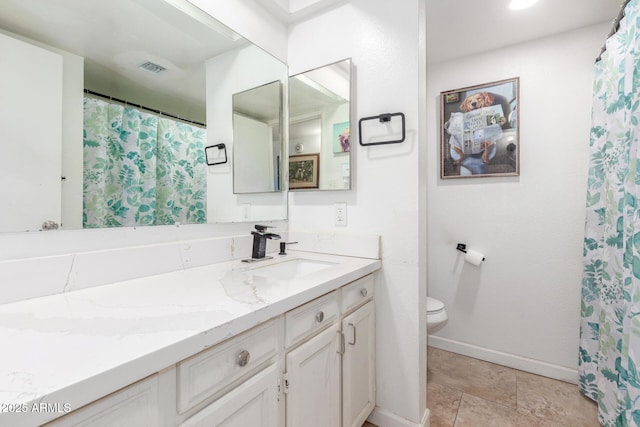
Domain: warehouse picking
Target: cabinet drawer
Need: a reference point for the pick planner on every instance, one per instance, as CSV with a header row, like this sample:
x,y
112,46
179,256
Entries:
x,y
357,293
310,318
211,371
134,406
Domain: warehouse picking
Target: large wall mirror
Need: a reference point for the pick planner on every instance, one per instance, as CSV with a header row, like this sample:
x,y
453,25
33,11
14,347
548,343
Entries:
x,y
107,107
257,139
319,128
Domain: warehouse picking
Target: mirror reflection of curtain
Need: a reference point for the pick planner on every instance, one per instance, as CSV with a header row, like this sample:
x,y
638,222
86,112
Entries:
x,y
141,169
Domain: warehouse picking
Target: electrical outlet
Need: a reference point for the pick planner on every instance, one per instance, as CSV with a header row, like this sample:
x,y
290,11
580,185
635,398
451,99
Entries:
x,y
340,213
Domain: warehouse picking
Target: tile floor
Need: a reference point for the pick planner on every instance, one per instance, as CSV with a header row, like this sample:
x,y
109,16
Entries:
x,y
467,392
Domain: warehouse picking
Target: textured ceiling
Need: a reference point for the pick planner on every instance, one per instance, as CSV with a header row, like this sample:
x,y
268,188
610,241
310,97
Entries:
x,y
457,28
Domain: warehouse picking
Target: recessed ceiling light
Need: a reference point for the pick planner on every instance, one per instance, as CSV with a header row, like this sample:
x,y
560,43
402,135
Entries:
x,y
521,4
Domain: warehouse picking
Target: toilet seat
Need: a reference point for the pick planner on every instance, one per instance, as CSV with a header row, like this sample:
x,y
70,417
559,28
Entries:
x,y
434,305
436,315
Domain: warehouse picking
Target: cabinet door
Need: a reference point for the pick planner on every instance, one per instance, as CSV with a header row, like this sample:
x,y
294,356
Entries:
x,y
254,403
313,381
31,144
358,366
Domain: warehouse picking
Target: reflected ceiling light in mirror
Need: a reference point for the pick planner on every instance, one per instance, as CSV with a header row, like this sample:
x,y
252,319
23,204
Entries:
x,y
521,4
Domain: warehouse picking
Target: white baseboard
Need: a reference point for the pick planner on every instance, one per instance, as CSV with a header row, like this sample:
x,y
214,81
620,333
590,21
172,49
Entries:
x,y
505,359
383,418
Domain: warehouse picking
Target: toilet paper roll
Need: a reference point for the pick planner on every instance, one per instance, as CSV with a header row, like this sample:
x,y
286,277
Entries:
x,y
473,257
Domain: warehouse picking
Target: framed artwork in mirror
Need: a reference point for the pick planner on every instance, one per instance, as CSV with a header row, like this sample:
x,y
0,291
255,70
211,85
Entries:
x,y
341,140
479,130
303,171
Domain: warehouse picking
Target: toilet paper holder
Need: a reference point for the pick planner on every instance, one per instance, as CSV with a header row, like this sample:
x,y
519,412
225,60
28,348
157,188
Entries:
x,y
463,248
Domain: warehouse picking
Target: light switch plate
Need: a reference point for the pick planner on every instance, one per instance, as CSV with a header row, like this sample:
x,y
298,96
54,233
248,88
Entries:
x,y
246,211
340,214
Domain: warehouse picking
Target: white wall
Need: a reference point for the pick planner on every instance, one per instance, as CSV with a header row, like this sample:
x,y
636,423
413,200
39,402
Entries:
x,y
307,132
330,162
383,41
227,74
253,146
524,301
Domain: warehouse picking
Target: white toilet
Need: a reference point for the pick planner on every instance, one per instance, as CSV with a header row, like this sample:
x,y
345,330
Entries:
x,y
436,315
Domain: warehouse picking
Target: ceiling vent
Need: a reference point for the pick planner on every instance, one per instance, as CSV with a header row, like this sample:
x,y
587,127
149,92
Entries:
x,y
152,68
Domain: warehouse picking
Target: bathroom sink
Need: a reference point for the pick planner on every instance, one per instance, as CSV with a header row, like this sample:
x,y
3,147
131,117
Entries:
x,y
290,269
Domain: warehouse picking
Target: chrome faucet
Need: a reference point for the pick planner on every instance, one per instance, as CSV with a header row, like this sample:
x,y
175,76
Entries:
x,y
260,236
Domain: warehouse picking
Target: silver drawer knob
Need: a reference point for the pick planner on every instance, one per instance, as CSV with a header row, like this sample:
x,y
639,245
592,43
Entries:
x,y
363,292
243,358
319,316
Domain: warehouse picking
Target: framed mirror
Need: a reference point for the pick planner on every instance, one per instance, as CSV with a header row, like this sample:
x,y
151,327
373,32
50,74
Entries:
x,y
257,139
149,60
319,128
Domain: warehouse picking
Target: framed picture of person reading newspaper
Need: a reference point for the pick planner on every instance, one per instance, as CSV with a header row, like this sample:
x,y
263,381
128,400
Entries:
x,y
479,130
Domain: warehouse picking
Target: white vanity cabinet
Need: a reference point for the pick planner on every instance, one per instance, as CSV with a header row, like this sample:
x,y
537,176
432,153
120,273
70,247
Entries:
x,y
312,378
358,360
330,376
313,366
358,366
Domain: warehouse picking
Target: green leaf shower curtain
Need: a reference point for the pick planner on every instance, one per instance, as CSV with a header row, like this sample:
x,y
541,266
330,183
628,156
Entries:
x,y
610,322
141,169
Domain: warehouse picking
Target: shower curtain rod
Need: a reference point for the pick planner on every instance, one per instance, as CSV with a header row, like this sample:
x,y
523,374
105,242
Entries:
x,y
616,26
162,113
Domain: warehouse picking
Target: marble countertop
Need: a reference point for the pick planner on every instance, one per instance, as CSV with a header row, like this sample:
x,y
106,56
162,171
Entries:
x,y
73,348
